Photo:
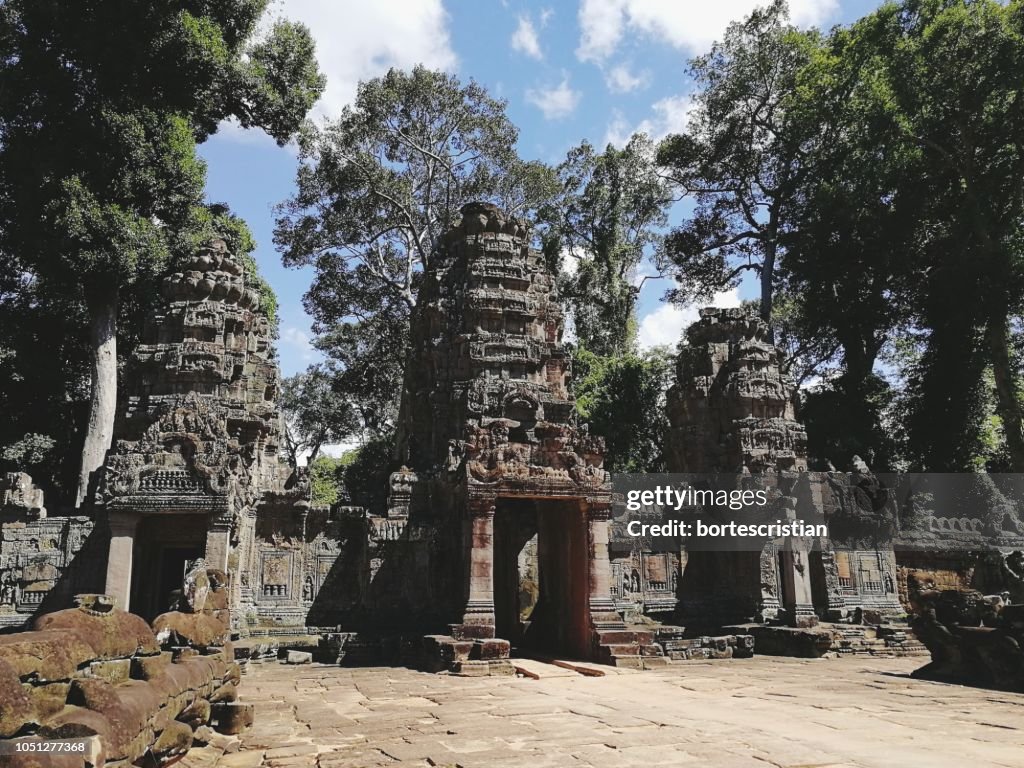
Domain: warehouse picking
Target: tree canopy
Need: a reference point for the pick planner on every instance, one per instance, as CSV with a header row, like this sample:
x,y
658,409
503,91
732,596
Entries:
x,y
103,105
377,187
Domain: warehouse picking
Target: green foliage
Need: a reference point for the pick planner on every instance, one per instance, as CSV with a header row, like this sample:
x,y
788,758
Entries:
x,y
326,479
741,157
606,219
622,398
101,189
377,187
367,471
912,215
43,378
315,413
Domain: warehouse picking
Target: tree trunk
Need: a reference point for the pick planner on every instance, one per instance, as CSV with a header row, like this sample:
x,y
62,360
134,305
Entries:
x,y
103,308
768,269
1008,404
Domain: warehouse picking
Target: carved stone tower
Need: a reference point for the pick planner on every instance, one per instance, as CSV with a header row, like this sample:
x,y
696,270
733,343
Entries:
x,y
490,439
196,441
731,411
733,406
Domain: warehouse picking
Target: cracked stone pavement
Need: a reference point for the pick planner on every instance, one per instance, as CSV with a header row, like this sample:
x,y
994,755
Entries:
x,y
861,712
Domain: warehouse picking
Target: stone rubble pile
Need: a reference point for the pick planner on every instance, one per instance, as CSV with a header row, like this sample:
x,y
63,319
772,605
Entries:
x,y
130,691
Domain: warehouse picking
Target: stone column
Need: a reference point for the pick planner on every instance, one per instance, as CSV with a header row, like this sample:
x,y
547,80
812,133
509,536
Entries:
x,y
218,542
796,577
478,620
602,607
119,557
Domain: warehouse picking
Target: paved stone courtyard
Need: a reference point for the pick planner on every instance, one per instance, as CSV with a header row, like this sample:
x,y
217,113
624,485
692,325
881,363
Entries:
x,y
727,714
751,713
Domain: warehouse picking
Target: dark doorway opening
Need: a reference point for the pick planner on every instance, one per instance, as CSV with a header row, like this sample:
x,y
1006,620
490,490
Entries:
x,y
165,547
542,576
819,584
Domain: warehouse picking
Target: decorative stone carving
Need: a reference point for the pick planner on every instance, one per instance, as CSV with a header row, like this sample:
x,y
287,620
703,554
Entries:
x,y
18,495
487,421
198,435
35,550
732,406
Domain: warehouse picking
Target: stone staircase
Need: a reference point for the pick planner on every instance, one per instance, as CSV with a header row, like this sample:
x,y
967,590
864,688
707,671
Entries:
x,y
629,648
883,640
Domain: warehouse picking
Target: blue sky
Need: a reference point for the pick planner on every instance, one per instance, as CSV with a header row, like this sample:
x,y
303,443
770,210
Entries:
x,y
593,69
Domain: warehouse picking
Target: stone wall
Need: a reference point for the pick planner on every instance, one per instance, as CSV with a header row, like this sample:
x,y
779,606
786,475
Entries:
x,y
37,553
128,691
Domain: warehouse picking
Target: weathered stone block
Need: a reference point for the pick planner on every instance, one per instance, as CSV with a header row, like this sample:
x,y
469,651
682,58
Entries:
x,y
111,635
114,671
232,717
148,667
16,704
299,657
47,655
197,630
491,648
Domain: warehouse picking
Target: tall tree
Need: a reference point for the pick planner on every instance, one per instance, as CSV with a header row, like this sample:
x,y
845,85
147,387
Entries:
x,y
622,398
606,218
849,271
949,77
315,415
103,104
740,159
377,187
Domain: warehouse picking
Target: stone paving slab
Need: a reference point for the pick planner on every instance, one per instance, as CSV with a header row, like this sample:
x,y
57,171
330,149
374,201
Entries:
x,y
731,713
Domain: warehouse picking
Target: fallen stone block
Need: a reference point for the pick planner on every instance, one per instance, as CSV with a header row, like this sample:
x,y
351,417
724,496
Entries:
x,y
231,718
298,657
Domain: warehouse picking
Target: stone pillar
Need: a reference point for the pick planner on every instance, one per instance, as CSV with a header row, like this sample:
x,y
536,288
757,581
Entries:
x,y
218,542
601,601
795,564
119,557
478,620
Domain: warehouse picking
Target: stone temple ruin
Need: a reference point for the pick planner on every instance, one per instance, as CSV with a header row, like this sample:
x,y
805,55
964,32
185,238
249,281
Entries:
x,y
494,457
731,411
502,530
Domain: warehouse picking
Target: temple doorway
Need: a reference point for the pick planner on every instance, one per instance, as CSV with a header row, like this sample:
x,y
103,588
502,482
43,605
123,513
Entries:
x,y
165,546
541,576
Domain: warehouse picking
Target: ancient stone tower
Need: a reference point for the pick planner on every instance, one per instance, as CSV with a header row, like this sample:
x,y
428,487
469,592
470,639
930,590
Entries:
x,y
733,406
197,438
492,447
733,420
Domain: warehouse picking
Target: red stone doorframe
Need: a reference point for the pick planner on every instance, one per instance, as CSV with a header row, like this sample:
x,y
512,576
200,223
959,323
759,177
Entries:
x,y
586,550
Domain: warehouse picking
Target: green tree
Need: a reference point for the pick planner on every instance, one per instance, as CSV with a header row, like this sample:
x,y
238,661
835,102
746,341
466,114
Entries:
x,y
622,398
944,79
377,187
741,158
847,281
326,480
103,104
367,470
315,414
606,218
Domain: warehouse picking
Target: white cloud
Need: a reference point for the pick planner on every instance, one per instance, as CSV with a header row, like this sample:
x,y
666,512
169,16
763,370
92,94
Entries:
x,y
524,39
665,325
691,26
300,340
556,102
620,79
670,115
359,41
